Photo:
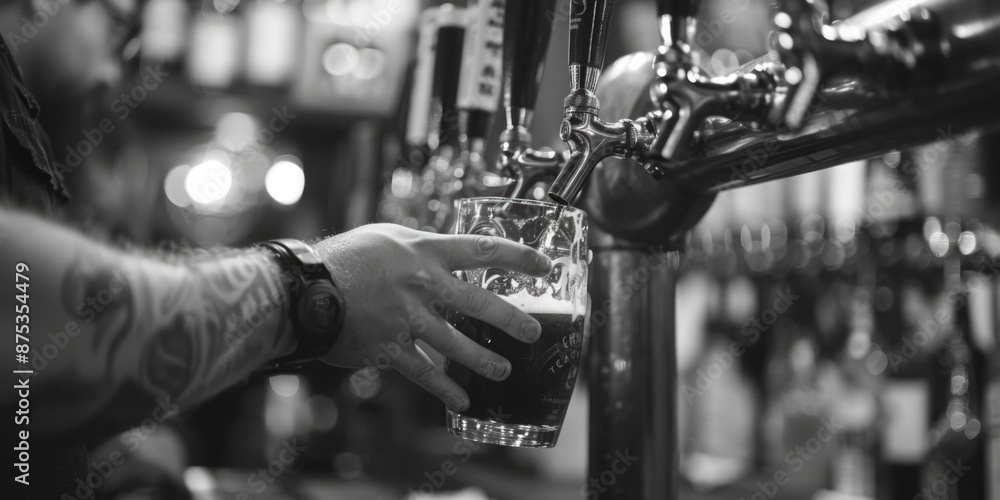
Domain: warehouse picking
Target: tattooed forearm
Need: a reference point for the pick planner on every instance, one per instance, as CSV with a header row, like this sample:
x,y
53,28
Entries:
x,y
179,333
118,335
207,337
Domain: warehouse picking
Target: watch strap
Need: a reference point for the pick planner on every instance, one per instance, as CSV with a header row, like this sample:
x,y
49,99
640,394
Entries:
x,y
315,305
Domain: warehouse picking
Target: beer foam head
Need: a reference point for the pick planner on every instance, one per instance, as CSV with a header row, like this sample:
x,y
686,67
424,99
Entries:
x,y
542,305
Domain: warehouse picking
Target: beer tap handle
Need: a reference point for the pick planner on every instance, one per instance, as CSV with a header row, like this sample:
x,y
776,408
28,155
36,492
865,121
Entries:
x,y
526,33
588,39
419,112
672,16
796,44
443,128
479,82
675,8
589,138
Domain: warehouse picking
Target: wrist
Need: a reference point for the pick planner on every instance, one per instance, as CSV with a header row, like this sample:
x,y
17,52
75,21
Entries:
x,y
315,307
285,341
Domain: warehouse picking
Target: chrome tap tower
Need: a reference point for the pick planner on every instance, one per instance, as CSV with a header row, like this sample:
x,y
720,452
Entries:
x,y
653,138
887,78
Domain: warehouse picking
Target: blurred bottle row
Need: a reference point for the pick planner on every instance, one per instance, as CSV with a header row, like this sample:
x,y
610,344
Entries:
x,y
343,57
839,331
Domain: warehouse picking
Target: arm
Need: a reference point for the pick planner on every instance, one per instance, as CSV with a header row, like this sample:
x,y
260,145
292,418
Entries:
x,y
117,337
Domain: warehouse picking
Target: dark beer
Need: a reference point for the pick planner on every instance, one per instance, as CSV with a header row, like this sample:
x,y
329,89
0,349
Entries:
x,y
542,374
527,409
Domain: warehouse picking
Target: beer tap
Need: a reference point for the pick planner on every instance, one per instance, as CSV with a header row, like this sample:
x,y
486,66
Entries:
x,y
403,186
401,192
442,136
418,115
527,31
865,57
478,92
687,96
869,57
591,139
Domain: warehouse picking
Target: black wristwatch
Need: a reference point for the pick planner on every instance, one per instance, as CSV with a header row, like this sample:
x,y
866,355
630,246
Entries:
x,y
315,305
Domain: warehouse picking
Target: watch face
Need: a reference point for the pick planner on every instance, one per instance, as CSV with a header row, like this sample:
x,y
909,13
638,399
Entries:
x,y
319,307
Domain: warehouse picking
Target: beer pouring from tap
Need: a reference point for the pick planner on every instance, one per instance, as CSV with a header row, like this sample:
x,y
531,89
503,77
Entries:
x,y
684,95
589,138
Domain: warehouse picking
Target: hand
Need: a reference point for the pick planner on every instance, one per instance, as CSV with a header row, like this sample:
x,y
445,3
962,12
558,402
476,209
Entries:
x,y
397,281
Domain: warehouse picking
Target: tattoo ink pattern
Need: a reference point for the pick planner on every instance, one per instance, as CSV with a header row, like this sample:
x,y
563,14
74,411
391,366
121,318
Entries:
x,y
192,329
191,355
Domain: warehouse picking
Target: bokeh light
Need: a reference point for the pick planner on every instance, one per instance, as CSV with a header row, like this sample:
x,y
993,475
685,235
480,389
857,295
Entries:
x,y
285,181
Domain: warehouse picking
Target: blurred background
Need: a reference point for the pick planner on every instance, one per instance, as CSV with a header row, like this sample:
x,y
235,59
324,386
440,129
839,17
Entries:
x,y
860,300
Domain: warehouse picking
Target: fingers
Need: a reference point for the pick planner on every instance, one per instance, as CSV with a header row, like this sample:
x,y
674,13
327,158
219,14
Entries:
x,y
485,305
454,345
469,251
416,366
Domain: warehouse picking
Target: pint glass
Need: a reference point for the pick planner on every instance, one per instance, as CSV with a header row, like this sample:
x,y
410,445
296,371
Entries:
x,y
527,409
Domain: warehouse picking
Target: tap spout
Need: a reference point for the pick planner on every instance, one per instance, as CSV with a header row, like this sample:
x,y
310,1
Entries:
x,y
591,139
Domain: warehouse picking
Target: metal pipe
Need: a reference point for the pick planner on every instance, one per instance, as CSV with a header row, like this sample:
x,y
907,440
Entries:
x,y
633,372
743,157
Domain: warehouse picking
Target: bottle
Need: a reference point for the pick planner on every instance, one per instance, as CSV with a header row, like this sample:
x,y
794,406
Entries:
x,y
906,281
718,444
849,275
956,466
